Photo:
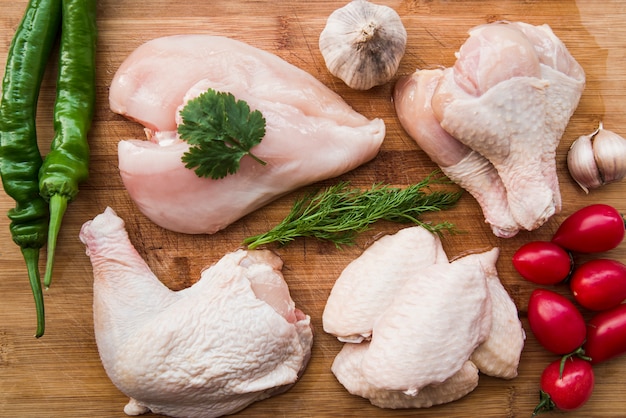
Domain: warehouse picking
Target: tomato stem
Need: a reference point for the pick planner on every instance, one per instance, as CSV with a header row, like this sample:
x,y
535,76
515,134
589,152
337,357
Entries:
x,y
545,404
579,352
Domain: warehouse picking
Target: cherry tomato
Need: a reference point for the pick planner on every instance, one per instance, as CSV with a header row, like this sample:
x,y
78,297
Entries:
x,y
556,323
568,390
542,262
599,284
592,229
606,335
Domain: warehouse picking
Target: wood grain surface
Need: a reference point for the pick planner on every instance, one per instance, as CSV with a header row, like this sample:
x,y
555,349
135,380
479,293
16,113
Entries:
x,y
60,375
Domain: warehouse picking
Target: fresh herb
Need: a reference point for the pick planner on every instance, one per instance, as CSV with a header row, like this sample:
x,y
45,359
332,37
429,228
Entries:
x,y
221,131
339,213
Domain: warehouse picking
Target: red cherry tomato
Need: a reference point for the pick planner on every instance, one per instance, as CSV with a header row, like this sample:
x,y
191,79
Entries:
x,y
542,262
599,284
592,229
568,390
606,335
556,323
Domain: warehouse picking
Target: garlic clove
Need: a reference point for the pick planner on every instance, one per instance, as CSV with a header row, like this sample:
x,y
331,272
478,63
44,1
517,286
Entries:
x,y
597,159
582,164
610,151
363,44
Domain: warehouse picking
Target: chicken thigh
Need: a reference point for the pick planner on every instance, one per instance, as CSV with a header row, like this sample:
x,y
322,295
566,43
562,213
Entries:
x,y
435,325
312,134
367,286
347,369
500,353
232,338
432,327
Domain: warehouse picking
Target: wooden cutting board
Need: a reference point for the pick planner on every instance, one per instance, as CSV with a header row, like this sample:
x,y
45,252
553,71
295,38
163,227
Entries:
x,y
60,375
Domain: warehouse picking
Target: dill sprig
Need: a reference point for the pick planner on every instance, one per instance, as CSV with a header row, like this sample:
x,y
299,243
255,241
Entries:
x,y
340,212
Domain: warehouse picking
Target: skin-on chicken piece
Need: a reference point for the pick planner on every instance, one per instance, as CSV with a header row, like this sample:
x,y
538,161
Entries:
x,y
418,327
347,369
432,326
509,97
312,134
367,286
184,354
464,166
500,354
567,81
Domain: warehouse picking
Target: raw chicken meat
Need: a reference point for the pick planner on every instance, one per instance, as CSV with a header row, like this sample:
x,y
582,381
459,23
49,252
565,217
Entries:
x,y
462,165
500,353
436,325
432,327
311,132
367,286
347,369
508,98
184,354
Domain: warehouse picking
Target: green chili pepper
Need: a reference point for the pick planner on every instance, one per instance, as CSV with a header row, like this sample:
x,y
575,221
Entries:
x,y
19,154
67,164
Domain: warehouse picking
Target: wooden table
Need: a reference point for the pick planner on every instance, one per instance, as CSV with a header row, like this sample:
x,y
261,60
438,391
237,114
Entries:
x,y
60,375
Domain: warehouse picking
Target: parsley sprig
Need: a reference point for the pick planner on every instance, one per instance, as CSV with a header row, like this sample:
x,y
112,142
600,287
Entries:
x,y
338,213
221,131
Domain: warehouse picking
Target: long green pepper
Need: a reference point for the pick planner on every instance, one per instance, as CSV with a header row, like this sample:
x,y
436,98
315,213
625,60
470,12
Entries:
x,y
67,164
20,159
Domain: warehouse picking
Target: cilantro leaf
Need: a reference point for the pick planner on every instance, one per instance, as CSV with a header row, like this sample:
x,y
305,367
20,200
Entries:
x,y
221,130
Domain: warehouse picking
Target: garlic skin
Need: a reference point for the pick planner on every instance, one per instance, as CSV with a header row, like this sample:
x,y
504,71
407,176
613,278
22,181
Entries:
x,y
363,43
597,159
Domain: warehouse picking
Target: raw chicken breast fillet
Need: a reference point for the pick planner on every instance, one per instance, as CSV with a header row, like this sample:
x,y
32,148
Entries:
x,y
311,132
232,338
508,98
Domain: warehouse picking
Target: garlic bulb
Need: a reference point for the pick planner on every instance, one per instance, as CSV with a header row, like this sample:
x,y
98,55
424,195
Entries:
x,y
597,159
363,43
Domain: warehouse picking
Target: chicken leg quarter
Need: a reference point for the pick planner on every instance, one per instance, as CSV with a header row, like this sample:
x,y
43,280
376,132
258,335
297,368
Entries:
x,y
232,338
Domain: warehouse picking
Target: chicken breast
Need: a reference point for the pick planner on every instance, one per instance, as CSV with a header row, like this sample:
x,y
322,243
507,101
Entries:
x,y
432,327
367,286
347,369
184,354
311,132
